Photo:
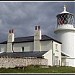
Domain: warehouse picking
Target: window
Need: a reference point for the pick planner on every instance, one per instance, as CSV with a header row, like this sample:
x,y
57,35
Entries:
x,y
56,46
56,60
65,19
22,49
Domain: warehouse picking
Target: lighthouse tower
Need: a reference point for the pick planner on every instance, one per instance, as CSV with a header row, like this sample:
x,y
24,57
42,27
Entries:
x,y
65,33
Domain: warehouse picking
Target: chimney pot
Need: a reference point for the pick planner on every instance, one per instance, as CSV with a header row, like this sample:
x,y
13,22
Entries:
x,y
35,27
38,27
12,30
9,31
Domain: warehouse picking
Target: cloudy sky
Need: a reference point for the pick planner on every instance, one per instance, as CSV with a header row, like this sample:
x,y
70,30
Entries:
x,y
23,16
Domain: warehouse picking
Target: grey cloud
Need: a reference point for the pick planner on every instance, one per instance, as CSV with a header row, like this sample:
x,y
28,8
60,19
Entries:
x,y
23,16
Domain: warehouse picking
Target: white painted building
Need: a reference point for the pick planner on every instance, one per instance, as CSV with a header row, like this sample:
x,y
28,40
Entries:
x,y
40,46
65,32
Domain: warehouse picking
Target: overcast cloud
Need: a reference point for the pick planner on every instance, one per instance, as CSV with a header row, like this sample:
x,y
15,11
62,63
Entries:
x,y
23,16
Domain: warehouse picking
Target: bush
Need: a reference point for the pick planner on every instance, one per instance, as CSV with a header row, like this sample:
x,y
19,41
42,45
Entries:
x,y
37,66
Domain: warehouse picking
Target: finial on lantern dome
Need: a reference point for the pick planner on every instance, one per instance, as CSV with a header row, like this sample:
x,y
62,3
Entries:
x,y
64,7
65,10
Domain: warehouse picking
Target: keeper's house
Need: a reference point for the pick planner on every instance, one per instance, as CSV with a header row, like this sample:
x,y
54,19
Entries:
x,y
31,50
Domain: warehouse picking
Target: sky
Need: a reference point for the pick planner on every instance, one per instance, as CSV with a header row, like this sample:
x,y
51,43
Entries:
x,y
24,16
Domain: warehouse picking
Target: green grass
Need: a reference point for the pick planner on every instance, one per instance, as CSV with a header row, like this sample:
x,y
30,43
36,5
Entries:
x,y
38,69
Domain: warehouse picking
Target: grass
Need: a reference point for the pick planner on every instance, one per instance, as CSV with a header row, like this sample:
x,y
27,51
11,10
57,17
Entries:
x,y
38,69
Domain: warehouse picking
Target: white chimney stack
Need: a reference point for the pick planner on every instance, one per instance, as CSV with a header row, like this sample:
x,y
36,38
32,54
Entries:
x,y
37,33
37,38
11,36
10,41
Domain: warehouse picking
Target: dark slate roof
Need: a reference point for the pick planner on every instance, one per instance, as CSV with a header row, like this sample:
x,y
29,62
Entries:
x,y
30,39
63,54
23,54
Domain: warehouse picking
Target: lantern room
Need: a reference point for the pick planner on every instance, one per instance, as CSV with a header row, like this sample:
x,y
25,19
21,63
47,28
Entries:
x,y
65,18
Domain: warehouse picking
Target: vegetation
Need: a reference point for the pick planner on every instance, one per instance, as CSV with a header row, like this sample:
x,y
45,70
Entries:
x,y
38,69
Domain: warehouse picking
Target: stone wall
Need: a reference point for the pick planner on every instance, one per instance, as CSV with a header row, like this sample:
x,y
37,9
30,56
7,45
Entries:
x,y
14,62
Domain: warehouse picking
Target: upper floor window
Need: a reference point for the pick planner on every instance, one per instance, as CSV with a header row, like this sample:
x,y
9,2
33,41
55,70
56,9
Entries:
x,y
56,46
56,60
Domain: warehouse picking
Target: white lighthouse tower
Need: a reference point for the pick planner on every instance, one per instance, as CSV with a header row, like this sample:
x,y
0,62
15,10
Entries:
x,y
65,32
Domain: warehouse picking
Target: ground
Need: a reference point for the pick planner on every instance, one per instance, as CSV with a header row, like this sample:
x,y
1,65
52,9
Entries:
x,y
38,69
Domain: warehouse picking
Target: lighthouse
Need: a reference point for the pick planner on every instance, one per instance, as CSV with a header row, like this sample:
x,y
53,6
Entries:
x,y
65,33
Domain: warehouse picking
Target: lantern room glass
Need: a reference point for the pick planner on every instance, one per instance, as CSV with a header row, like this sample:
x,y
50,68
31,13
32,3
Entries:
x,y
65,18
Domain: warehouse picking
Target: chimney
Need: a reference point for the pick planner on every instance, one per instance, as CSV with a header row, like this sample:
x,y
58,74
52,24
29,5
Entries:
x,y
37,38
37,33
11,36
10,40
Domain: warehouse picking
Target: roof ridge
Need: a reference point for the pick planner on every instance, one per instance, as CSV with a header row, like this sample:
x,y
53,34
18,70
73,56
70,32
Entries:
x,y
23,37
31,36
31,39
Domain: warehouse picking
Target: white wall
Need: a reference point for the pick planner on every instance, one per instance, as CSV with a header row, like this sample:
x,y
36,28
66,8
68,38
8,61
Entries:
x,y
46,45
65,34
9,47
56,53
74,46
3,47
63,62
52,53
27,46
37,45
48,56
67,37
68,43
70,62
